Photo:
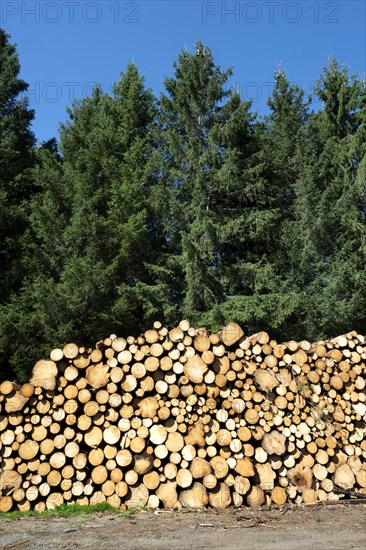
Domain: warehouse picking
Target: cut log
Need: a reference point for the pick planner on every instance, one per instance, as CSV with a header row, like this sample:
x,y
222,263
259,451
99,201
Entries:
x,y
279,495
10,481
6,503
256,497
195,497
200,468
148,407
99,474
220,497
274,443
194,369
184,478
167,494
70,351
244,467
196,435
220,467
15,402
301,476
344,477
44,375
265,379
28,450
231,334
266,476
138,496
97,376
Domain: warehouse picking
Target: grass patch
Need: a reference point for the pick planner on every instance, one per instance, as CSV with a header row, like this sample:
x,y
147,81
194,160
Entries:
x,y
72,510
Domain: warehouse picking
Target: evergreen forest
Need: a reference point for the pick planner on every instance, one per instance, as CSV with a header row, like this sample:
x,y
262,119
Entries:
x,y
189,205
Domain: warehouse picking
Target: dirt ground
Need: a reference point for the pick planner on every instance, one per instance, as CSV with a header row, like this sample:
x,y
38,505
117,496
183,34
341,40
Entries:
x,y
326,527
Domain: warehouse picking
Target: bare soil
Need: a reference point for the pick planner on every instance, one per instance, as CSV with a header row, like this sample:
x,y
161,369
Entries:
x,y
326,527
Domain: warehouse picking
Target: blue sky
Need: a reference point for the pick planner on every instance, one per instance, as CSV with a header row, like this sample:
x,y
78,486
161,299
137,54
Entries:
x,y
67,45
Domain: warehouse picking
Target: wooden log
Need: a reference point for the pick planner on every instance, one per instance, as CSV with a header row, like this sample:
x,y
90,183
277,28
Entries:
x,y
274,443
148,407
93,436
195,435
200,468
194,369
79,461
301,477
184,478
202,342
278,495
256,497
54,500
151,480
265,379
82,361
182,405
97,376
99,474
220,467
44,375
167,494
112,435
231,334
28,450
158,434
309,496
244,467
96,355
344,477
266,476
70,351
124,458
195,497
10,480
58,460
142,463
6,503
251,416
176,334
138,496
220,497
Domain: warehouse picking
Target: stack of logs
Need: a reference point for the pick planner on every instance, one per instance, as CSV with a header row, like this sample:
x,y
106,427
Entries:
x,y
183,418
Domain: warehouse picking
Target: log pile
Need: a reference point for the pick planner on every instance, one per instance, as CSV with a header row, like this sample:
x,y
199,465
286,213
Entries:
x,y
183,418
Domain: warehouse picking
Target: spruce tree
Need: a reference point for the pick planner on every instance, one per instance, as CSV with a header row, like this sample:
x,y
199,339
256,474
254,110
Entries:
x,y
330,225
288,114
16,157
94,252
205,139
280,161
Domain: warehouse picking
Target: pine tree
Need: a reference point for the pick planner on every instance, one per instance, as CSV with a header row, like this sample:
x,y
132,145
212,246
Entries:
x,y
16,156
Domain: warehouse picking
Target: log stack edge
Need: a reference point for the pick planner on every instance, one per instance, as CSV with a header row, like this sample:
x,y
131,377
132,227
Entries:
x,y
183,418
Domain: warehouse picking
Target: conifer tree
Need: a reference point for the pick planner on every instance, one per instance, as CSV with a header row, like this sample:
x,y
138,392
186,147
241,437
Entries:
x,y
16,150
329,247
94,255
190,206
205,139
280,161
